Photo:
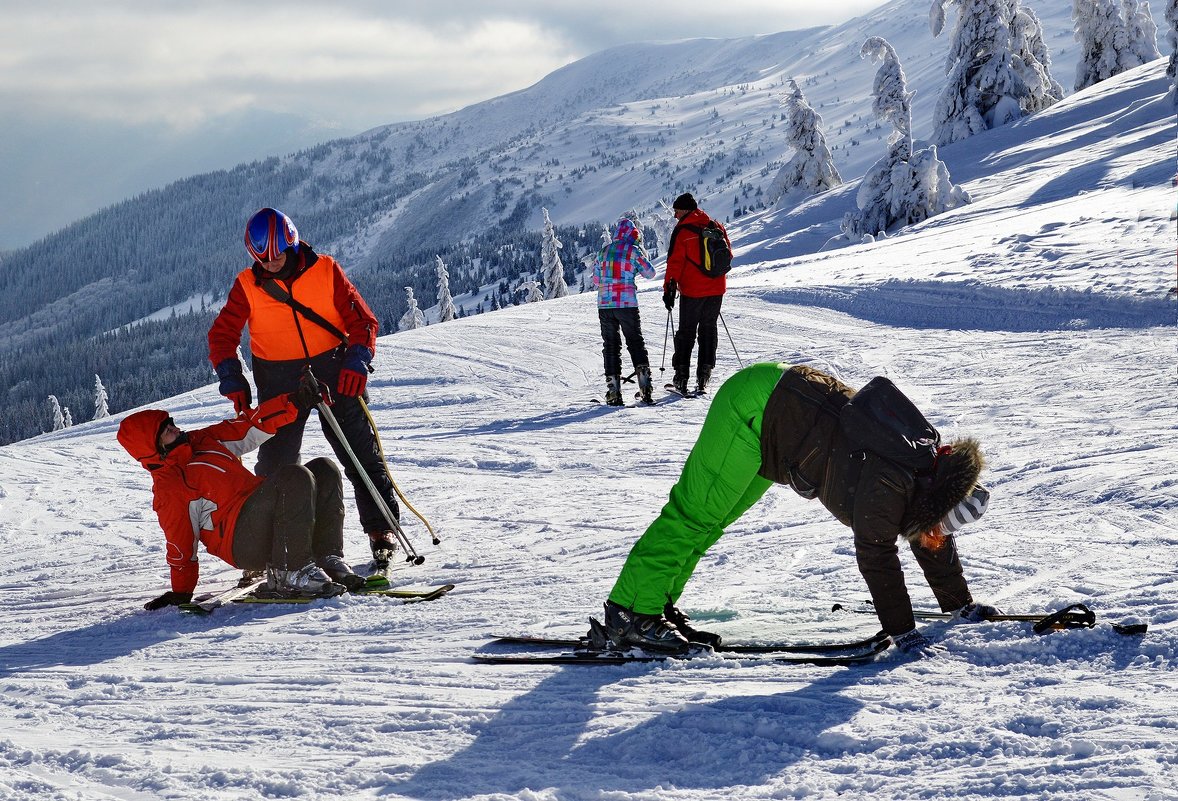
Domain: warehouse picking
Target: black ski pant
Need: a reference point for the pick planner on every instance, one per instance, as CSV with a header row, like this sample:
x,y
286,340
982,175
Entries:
x,y
294,517
276,378
615,324
696,316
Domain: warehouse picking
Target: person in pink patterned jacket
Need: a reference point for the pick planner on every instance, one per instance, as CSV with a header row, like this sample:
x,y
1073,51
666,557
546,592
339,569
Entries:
x,y
617,308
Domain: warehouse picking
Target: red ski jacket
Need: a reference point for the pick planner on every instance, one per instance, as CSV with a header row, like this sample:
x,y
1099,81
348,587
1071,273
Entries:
x,y
683,260
200,485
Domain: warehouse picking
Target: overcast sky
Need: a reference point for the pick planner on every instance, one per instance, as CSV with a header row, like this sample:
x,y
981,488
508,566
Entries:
x,y
350,63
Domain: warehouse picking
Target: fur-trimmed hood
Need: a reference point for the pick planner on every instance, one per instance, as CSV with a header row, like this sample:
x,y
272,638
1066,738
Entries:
x,y
954,476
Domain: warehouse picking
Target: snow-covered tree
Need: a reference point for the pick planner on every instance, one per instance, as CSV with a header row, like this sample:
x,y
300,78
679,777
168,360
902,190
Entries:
x,y
446,310
1172,38
992,56
1105,47
101,409
811,170
663,223
908,185
534,290
550,265
55,410
1142,30
69,418
413,318
1032,61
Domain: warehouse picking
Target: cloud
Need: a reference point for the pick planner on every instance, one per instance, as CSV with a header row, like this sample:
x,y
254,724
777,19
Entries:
x,y
355,63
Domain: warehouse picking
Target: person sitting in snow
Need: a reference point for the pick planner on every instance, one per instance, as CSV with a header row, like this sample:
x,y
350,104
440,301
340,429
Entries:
x,y
289,524
767,425
617,308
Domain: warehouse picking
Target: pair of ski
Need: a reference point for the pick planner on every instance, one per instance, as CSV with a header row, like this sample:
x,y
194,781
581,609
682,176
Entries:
x,y
541,652
1074,616
255,593
671,393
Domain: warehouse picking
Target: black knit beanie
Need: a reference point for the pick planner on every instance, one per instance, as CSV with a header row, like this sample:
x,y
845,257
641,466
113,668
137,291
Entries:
x,y
685,202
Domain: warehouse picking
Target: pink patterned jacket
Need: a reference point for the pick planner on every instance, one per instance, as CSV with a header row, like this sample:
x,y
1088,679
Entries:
x,y
616,266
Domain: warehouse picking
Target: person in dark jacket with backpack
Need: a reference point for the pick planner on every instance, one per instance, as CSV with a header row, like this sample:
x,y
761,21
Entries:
x,y
331,329
772,423
700,295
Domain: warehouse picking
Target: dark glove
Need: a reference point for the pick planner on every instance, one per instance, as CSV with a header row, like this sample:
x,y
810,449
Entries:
x,y
168,599
670,289
976,613
915,644
311,392
353,374
234,386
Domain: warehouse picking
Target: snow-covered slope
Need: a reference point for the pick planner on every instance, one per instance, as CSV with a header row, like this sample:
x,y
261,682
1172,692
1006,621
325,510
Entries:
x,y
1035,319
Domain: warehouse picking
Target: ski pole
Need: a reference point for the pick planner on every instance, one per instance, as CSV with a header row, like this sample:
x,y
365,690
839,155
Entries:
x,y
663,366
411,554
385,461
734,350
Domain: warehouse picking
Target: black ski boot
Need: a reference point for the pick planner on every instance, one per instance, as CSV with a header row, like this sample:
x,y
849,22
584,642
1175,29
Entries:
x,y
341,572
681,621
702,376
679,382
627,628
645,387
613,390
383,549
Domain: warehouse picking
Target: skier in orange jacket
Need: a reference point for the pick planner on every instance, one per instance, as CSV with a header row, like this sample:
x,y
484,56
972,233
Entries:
x,y
330,328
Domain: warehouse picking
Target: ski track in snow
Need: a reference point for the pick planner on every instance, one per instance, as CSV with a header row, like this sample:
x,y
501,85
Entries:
x,y
1041,339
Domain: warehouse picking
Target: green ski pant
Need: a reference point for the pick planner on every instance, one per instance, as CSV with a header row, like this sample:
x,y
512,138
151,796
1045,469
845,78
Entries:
x,y
719,483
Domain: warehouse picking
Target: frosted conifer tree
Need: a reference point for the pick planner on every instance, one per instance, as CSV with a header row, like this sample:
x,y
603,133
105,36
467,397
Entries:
x,y
550,264
534,290
1105,50
1172,38
413,318
55,410
1032,61
984,88
908,185
68,418
664,224
811,170
1142,31
446,310
101,409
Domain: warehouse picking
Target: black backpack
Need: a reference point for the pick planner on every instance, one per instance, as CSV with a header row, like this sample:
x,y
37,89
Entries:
x,y
715,256
880,418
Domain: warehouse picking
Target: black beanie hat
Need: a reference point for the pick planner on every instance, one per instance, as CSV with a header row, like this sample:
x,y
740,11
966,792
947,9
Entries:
x,y
685,202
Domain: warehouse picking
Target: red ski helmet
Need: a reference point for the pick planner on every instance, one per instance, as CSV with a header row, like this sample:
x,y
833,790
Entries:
x,y
269,233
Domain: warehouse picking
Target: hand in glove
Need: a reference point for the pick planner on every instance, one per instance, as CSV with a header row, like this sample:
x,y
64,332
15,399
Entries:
x,y
234,386
976,613
168,599
353,374
670,289
915,644
311,392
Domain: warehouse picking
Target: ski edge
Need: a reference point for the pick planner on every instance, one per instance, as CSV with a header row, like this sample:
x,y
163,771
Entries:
x,y
614,658
725,648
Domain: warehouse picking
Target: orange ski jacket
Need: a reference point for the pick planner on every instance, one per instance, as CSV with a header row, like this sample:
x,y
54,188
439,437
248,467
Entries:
x,y
275,327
